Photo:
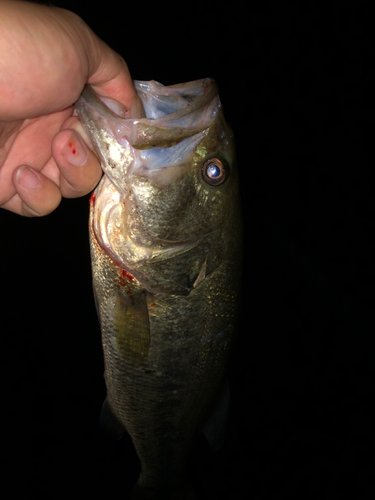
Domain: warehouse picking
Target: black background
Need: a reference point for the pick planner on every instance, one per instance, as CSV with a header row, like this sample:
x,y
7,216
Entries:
x,y
297,83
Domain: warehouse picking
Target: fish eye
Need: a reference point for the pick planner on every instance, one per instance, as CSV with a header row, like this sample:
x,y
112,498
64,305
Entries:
x,y
213,172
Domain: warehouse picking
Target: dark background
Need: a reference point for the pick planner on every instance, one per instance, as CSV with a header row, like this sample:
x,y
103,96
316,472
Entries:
x,y
297,83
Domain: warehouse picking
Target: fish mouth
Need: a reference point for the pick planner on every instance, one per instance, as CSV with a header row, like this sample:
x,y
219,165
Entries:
x,y
153,141
161,119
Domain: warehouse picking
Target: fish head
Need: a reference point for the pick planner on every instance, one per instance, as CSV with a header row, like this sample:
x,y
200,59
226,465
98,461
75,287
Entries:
x,y
170,180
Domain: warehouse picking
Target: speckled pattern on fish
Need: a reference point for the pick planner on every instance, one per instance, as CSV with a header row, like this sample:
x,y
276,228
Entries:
x,y
165,235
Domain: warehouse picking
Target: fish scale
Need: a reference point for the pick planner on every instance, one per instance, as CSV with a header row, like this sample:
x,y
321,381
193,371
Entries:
x,y
168,321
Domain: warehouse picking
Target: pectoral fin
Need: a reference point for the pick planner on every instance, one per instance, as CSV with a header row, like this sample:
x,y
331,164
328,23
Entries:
x,y
132,328
201,276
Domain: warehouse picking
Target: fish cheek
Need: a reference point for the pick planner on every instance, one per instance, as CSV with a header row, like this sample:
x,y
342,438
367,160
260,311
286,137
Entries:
x,y
165,211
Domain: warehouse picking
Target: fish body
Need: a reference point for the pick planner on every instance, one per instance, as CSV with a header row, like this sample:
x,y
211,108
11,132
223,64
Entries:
x,y
165,239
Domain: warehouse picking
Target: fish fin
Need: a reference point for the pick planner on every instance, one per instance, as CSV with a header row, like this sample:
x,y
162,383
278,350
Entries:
x,y
132,327
201,275
109,423
215,427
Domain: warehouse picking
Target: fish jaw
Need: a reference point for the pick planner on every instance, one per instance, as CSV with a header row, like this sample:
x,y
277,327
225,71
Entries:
x,y
174,113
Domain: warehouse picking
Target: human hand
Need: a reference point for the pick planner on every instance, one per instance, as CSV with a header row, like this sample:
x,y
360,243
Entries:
x,y
47,56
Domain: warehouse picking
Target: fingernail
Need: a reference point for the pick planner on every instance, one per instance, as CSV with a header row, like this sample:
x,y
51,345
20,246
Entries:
x,y
27,178
74,151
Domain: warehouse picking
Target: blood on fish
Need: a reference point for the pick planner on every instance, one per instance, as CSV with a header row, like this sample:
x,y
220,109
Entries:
x,y
92,198
124,280
125,273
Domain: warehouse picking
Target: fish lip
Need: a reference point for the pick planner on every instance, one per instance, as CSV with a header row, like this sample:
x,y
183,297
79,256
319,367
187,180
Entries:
x,y
201,92
209,90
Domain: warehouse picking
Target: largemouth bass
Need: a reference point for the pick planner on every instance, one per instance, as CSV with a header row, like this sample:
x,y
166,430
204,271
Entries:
x,y
165,238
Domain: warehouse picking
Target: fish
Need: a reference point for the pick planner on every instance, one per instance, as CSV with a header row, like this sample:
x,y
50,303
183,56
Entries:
x,y
166,250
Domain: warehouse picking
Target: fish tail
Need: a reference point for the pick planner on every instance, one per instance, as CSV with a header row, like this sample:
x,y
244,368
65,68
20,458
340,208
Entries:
x,y
180,491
